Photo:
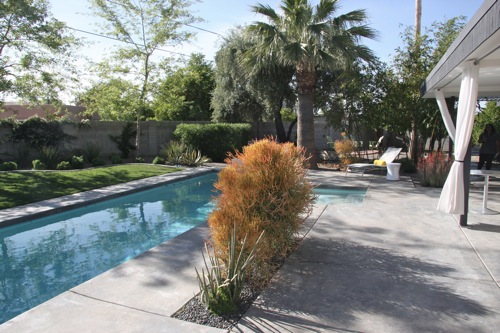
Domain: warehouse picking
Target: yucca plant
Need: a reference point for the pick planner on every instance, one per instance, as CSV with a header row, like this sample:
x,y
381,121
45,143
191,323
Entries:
x,y
49,156
173,152
92,151
222,283
193,157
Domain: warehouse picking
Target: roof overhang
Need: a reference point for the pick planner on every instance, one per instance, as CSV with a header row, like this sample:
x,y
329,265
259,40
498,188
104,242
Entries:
x,y
478,41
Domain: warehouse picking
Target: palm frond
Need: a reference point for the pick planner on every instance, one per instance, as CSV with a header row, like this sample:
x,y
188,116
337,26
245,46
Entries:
x,y
267,11
325,9
362,31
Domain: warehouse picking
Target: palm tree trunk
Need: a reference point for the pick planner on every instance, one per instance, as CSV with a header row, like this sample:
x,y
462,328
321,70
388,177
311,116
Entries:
x,y
418,16
414,129
306,78
305,127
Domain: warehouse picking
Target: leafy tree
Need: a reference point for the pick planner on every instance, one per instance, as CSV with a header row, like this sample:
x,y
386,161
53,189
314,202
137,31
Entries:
x,y
34,51
352,99
308,38
489,115
145,26
185,94
114,99
232,100
405,109
255,93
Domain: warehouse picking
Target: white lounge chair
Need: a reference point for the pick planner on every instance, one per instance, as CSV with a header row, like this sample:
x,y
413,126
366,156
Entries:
x,y
390,155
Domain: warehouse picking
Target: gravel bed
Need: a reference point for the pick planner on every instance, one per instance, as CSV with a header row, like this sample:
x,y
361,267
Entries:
x,y
196,312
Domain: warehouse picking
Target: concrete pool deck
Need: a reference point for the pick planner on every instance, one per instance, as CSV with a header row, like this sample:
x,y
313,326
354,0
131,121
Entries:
x,y
393,264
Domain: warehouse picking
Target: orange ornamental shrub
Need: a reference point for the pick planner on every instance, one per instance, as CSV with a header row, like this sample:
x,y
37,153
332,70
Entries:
x,y
346,150
262,189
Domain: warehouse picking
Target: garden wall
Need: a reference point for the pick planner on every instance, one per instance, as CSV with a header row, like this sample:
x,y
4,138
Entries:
x,y
154,135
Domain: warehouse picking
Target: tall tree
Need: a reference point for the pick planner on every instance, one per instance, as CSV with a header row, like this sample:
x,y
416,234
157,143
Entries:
x,y
252,94
308,38
145,26
35,50
112,99
404,108
186,92
352,99
232,100
489,115
418,17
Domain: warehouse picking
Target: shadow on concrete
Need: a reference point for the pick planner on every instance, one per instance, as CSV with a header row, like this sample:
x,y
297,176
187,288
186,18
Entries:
x,y
353,281
485,227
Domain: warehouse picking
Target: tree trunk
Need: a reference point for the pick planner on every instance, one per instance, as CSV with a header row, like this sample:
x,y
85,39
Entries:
x,y
414,130
306,77
414,143
278,123
144,92
305,127
418,16
290,129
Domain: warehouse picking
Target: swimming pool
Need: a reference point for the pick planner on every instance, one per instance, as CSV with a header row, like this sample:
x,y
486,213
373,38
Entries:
x,y
47,256
339,195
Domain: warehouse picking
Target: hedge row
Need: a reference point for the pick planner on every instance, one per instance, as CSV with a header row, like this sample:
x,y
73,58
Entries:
x,y
214,140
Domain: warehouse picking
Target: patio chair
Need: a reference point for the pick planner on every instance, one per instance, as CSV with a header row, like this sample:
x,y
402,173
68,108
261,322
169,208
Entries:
x,y
390,155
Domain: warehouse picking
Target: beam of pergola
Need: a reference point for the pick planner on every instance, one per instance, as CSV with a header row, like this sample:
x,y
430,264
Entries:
x,y
470,69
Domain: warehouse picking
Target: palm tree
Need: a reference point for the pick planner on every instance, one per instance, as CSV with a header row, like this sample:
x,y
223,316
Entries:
x,y
308,38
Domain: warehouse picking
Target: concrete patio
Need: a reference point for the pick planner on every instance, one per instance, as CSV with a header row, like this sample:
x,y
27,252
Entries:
x,y
393,264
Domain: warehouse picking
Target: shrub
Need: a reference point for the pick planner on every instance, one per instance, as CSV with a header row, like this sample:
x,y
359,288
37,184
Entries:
x,y
23,155
262,189
193,157
173,152
214,140
8,166
39,165
346,150
92,151
139,160
98,162
407,165
77,162
433,170
49,156
123,140
38,132
64,165
115,159
159,160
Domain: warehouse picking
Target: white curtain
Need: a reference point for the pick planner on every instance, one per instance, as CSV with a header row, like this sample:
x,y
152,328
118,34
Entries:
x,y
452,196
445,113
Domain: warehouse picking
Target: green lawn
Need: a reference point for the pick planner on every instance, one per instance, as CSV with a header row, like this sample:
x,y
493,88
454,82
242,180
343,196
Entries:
x,y
19,188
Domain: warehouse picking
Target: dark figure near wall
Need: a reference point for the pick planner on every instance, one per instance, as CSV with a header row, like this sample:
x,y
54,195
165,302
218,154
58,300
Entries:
x,y
490,145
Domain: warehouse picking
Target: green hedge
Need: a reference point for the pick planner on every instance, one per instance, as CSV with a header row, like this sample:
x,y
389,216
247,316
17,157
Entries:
x,y
214,140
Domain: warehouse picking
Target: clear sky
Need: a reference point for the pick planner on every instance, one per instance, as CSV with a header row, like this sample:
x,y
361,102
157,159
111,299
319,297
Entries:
x,y
388,17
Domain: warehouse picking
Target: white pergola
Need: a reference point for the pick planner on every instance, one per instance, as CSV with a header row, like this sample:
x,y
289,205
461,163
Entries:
x,y
469,69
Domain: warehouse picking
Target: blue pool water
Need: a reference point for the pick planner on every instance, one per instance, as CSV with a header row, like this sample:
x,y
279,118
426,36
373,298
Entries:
x,y
45,257
338,196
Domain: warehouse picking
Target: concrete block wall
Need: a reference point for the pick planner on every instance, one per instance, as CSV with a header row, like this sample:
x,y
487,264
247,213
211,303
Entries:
x,y
154,135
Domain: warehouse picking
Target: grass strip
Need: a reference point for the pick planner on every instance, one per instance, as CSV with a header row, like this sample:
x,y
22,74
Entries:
x,y
19,188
